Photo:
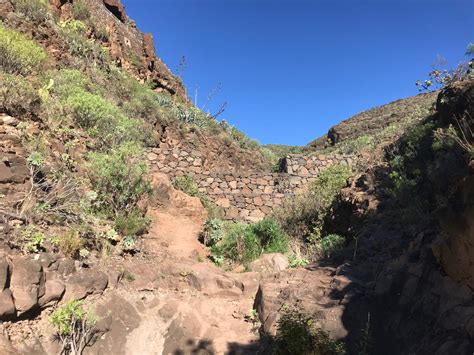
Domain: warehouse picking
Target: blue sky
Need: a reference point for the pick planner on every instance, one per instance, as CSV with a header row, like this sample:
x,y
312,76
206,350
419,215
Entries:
x,y
290,69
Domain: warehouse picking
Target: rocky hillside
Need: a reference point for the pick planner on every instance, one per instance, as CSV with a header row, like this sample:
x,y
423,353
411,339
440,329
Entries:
x,y
134,223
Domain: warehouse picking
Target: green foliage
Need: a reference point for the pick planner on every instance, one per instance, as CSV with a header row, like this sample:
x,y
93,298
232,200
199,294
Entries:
x,y
329,182
75,326
362,143
241,139
36,159
186,184
80,10
89,109
32,239
296,262
330,245
35,10
243,243
302,217
132,224
18,96
103,119
416,145
213,231
68,82
298,334
85,51
18,54
119,179
74,26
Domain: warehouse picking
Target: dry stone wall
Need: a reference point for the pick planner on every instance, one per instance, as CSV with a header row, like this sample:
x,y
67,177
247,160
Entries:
x,y
244,196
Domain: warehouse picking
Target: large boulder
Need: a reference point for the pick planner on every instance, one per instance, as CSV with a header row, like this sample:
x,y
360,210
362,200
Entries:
x,y
273,262
84,283
27,283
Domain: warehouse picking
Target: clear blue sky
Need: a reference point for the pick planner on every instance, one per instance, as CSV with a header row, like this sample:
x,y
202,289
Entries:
x,y
290,69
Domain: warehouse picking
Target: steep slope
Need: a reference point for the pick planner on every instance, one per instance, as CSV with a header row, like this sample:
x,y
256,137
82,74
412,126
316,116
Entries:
x,y
386,122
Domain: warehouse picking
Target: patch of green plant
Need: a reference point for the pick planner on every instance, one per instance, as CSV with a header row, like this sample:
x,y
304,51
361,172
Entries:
x,y
68,82
189,186
18,54
74,325
80,10
32,239
330,245
118,176
302,217
36,10
296,262
36,159
298,334
213,231
186,184
74,26
241,139
103,119
132,224
243,243
362,143
85,51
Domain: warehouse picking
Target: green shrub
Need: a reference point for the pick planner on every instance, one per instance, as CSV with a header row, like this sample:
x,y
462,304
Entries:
x,y
362,143
88,109
119,179
80,10
186,184
74,25
84,51
67,82
18,96
103,119
297,334
36,10
302,217
295,262
243,243
329,182
75,326
18,54
330,245
132,224
213,231
32,239
270,236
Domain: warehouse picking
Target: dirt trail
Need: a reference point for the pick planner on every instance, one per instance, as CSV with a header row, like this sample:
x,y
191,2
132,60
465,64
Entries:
x,y
175,232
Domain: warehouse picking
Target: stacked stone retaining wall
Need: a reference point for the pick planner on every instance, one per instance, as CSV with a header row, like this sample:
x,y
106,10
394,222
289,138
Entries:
x,y
244,196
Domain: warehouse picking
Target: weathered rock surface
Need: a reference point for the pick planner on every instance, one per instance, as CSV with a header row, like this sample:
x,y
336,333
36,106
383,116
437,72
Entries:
x,y
27,283
270,263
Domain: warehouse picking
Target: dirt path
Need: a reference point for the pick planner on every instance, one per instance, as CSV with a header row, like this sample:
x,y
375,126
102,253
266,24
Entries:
x,y
176,233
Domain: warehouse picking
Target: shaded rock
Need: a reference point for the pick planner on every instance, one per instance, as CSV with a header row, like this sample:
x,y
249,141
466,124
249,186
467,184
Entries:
x,y
7,308
4,273
27,283
54,290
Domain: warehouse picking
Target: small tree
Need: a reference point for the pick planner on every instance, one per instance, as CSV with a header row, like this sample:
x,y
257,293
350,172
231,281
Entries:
x,y
75,327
